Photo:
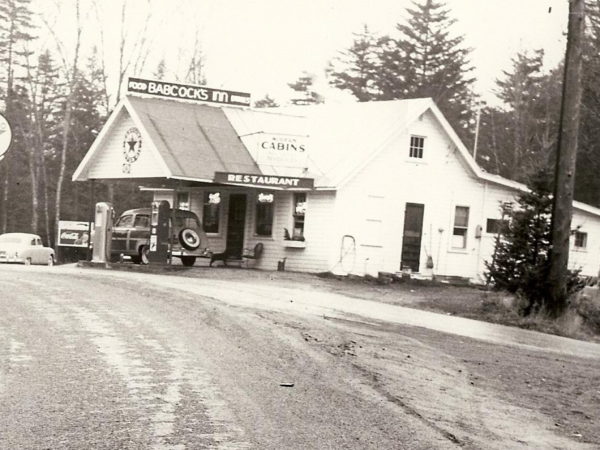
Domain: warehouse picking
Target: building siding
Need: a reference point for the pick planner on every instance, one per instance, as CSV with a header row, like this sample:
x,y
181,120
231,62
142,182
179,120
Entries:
x,y
108,163
440,182
314,257
359,228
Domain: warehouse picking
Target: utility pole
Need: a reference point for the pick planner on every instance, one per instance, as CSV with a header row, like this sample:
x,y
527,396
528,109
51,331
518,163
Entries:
x,y
564,176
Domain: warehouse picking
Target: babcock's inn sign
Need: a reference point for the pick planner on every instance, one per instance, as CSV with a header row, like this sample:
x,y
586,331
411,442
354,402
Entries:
x,y
187,92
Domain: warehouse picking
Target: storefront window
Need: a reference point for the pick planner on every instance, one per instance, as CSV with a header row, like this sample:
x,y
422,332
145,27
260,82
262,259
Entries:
x,y
183,200
298,215
211,212
264,214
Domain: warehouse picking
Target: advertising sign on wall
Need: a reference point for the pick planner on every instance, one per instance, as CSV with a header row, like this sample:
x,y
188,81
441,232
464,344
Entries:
x,y
187,92
275,181
74,234
281,149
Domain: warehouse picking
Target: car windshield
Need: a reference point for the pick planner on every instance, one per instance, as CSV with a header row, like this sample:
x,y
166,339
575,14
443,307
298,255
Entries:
x,y
10,240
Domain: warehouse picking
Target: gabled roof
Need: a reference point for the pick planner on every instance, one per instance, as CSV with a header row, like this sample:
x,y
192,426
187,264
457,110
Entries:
x,y
345,137
193,141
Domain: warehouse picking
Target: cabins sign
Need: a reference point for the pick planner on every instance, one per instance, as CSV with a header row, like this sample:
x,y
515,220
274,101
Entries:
x,y
187,92
281,150
275,181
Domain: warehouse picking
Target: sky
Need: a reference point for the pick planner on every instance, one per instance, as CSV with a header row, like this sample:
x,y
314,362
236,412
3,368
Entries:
x,y
258,46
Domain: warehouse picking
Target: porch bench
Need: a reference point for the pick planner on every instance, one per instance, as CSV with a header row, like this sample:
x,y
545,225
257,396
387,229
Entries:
x,y
247,255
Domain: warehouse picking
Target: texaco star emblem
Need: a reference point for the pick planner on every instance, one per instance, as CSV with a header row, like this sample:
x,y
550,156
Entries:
x,y
132,145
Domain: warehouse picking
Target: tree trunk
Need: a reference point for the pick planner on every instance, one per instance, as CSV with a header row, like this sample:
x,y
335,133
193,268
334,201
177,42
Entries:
x,y
49,235
67,123
5,195
33,173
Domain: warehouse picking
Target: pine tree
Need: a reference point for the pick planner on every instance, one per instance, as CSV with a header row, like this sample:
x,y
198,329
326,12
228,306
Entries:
x,y
303,87
266,102
44,91
518,138
587,182
520,260
355,69
426,60
15,32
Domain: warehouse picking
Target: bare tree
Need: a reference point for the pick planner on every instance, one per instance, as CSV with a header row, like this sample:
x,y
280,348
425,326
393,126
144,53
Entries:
x,y
71,69
195,73
140,48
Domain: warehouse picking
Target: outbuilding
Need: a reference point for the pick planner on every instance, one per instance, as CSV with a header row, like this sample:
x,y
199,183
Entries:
x,y
357,188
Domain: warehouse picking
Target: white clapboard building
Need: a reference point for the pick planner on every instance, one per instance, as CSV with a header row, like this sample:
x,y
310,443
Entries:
x,y
357,188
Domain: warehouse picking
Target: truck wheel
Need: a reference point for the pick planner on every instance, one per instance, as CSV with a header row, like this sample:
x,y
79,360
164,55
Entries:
x,y
27,261
50,261
188,261
144,250
189,239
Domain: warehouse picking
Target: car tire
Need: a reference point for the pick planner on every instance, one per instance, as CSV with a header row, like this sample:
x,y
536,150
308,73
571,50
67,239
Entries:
x,y
144,250
188,261
27,261
50,261
189,239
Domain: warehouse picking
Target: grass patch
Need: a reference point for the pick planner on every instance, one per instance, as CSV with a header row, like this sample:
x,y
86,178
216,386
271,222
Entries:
x,y
581,320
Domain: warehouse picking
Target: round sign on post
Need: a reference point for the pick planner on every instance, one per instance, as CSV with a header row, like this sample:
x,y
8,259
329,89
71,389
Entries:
x,y
5,136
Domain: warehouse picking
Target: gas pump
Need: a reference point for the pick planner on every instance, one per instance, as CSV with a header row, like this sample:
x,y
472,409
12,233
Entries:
x,y
159,233
103,225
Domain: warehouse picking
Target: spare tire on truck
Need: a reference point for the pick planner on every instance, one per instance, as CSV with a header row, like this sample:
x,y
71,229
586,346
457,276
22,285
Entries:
x,y
189,239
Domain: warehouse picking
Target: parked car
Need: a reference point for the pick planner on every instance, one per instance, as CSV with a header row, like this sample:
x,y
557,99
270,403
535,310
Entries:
x,y
131,236
24,248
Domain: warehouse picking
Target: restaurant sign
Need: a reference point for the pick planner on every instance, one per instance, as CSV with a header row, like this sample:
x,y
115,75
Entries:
x,y
187,92
74,234
276,181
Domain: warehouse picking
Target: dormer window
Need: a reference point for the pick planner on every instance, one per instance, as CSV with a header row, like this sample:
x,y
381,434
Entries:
x,y
417,143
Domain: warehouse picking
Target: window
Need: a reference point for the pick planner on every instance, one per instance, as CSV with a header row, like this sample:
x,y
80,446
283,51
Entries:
x,y
298,216
183,200
461,223
125,221
580,240
495,226
182,221
211,212
264,214
142,221
416,146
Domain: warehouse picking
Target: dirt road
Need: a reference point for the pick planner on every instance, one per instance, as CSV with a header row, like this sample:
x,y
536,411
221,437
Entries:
x,y
101,359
